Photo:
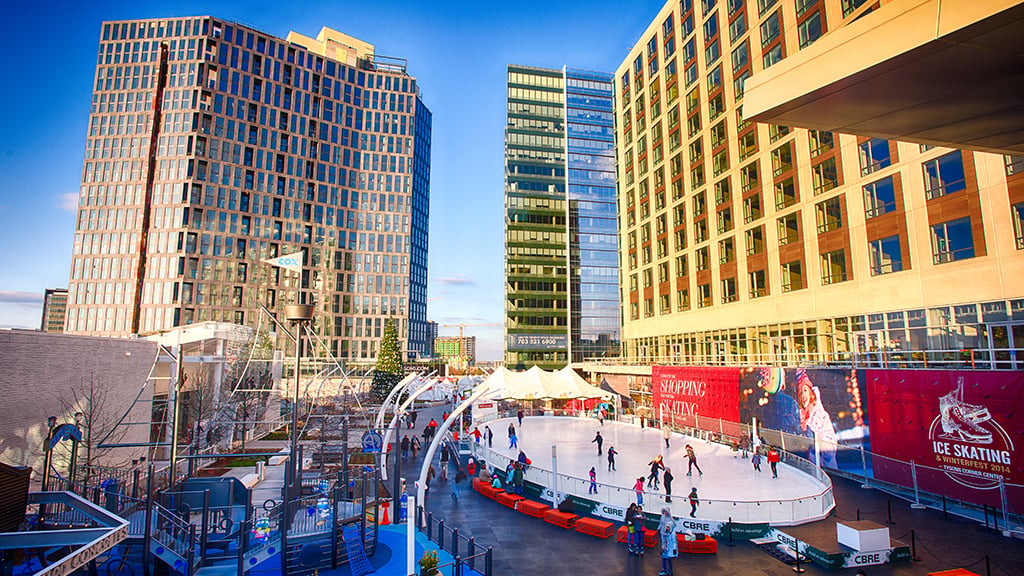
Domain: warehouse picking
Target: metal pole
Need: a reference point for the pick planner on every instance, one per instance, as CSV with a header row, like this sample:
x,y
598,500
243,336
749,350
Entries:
x,y
205,535
296,466
917,496
864,468
410,542
179,372
344,456
148,528
554,475
1002,498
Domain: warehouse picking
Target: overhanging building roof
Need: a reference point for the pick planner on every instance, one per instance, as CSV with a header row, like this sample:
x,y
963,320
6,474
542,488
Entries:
x,y
942,73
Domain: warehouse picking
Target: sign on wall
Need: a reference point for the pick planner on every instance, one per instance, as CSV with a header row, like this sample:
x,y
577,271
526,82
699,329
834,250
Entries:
x,y
683,391
538,342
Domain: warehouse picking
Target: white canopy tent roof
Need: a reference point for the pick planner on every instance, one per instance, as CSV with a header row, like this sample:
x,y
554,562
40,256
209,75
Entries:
x,y
539,384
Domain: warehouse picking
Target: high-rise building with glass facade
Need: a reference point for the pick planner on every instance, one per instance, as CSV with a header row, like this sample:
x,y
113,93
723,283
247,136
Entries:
x,y
213,146
55,305
561,269
749,243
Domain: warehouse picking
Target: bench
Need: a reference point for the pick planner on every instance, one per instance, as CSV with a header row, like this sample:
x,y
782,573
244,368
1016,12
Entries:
x,y
249,480
278,460
531,508
486,489
509,500
563,519
650,536
705,545
595,527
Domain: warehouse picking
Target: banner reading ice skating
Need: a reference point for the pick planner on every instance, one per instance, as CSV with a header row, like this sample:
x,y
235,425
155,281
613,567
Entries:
x,y
960,428
681,393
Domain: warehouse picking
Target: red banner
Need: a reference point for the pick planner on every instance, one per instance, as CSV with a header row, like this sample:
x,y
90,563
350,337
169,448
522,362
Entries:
x,y
960,424
685,392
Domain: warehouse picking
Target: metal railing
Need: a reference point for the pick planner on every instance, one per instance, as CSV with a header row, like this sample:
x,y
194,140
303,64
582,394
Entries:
x,y
465,551
785,511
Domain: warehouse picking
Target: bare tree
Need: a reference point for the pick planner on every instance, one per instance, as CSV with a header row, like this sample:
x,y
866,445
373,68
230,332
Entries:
x,y
251,400
97,417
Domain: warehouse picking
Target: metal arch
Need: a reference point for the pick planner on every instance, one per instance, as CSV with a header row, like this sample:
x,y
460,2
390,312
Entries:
x,y
394,420
391,396
421,484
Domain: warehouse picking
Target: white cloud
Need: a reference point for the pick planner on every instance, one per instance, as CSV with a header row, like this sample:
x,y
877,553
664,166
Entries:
x,y
69,201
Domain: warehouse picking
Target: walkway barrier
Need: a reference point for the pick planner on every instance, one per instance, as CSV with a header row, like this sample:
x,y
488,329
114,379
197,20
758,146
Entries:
x,y
467,553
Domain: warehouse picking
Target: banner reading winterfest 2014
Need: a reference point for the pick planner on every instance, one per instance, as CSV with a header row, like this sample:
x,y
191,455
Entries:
x,y
682,392
962,429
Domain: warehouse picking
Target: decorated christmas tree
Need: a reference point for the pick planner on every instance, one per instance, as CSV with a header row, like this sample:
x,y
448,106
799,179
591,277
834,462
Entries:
x,y
389,368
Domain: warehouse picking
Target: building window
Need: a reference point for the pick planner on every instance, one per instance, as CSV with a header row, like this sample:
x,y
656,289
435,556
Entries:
x,y
738,27
825,176
724,220
712,52
648,307
1018,224
751,208
952,241
879,197
711,27
648,278
764,5
792,276
770,29
703,259
758,283
704,295
700,230
666,305
874,155
809,30
850,5
748,177
772,56
729,290
682,269
718,134
885,255
777,132
789,229
740,57
720,161
634,310
829,214
833,267
782,159
1014,165
722,193
785,194
726,251
682,300
747,145
700,204
821,141
944,175
755,240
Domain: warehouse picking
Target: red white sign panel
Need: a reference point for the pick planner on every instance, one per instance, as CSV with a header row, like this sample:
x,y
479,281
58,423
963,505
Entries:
x,y
960,425
685,392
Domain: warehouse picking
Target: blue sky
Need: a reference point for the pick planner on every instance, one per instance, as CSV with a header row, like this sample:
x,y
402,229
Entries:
x,y
457,50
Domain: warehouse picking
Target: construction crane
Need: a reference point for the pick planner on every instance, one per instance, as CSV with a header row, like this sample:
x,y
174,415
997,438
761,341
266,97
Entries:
x,y
464,324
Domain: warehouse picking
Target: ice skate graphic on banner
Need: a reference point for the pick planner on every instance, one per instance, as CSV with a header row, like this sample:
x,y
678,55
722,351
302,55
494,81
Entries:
x,y
972,448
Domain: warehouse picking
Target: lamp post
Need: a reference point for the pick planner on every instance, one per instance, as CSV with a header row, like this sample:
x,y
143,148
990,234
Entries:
x,y
300,314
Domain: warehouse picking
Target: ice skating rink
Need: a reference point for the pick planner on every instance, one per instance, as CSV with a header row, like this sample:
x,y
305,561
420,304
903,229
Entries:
x,y
729,487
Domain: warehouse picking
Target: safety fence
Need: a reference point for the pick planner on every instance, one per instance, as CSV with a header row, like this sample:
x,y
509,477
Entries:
x,y
469,557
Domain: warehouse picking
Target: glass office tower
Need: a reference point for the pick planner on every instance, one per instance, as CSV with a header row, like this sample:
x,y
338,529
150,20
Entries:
x,y
561,300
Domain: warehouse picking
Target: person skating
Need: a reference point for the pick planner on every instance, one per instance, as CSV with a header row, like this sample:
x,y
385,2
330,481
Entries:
x,y
756,460
692,461
600,440
593,481
694,502
611,458
638,487
520,415
773,461
667,477
669,544
513,440
666,433
490,436
656,466
511,429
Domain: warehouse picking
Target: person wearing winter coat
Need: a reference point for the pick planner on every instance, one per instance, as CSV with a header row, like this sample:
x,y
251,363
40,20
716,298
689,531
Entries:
x,y
656,465
667,478
669,544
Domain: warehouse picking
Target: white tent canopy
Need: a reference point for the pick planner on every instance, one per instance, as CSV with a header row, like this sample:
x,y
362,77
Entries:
x,y
538,384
